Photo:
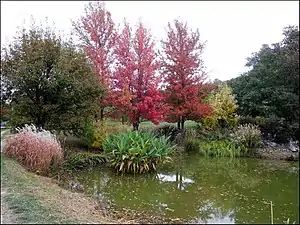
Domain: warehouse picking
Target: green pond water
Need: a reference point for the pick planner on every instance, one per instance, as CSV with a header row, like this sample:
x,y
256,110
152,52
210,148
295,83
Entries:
x,y
200,190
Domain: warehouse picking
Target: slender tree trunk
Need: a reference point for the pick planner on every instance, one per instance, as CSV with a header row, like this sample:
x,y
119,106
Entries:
x,y
136,123
123,119
39,117
101,114
178,123
180,180
182,122
39,121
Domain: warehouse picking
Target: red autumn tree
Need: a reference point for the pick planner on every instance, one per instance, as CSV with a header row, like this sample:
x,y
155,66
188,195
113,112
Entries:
x,y
184,74
97,34
135,81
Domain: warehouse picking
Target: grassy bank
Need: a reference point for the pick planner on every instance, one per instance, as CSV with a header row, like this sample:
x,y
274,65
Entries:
x,y
21,198
36,199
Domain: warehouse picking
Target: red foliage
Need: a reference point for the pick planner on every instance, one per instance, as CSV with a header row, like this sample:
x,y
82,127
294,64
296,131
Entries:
x,y
97,33
135,82
184,74
207,88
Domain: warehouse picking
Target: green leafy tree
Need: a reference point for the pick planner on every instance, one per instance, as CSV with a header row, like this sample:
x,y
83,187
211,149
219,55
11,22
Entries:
x,y
48,81
271,87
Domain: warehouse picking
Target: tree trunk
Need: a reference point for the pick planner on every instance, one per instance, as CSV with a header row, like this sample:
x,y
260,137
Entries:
x,y
40,122
101,114
38,105
136,122
182,122
178,123
135,126
123,119
180,180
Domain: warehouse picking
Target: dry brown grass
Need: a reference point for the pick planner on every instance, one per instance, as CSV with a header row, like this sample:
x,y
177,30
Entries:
x,y
34,152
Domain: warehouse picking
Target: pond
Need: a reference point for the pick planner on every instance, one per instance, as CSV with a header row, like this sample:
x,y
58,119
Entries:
x,y
199,190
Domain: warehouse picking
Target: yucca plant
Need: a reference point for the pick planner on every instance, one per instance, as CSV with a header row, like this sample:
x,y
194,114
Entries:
x,y
136,152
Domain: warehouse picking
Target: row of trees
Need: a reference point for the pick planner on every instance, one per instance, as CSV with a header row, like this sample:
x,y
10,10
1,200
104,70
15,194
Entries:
x,y
120,72
111,72
142,79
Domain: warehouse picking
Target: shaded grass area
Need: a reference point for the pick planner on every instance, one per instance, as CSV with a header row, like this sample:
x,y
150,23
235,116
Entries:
x,y
21,196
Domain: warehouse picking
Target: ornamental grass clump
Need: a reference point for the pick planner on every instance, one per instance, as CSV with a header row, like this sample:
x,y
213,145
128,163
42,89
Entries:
x,y
136,152
36,149
248,136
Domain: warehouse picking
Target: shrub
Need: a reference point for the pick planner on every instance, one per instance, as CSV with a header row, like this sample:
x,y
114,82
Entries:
x,y
192,133
242,120
93,133
214,148
208,123
248,135
224,107
36,149
167,131
191,144
215,135
4,114
275,128
136,152
84,160
279,129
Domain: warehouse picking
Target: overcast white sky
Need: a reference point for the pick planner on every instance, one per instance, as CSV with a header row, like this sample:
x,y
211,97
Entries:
x,y
233,30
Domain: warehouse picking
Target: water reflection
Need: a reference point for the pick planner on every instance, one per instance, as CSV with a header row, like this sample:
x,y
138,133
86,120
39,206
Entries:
x,y
178,178
199,190
214,215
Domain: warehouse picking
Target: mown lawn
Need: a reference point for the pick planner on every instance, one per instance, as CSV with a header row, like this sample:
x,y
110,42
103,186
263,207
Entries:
x,y
148,124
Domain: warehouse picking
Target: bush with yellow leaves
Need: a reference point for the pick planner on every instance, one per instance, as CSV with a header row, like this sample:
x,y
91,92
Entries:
x,y
94,133
224,107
